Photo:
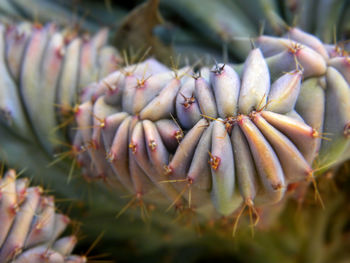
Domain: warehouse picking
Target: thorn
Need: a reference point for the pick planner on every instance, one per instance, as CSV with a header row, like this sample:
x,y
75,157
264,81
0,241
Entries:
x,y
214,161
187,101
237,220
252,44
317,193
218,70
126,207
178,134
176,199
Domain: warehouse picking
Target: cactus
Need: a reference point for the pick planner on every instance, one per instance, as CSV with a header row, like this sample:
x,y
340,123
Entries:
x,y
140,127
211,139
68,64
156,107
164,106
30,225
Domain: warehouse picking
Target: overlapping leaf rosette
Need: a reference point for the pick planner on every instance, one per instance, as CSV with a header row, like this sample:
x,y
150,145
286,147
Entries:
x,y
30,225
216,138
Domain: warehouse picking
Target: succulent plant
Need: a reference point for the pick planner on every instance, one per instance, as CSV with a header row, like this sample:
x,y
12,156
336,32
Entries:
x,y
192,30
204,132
138,115
156,107
67,63
30,225
210,139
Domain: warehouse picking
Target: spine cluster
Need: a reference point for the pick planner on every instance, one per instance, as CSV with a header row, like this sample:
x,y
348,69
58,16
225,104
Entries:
x,y
30,226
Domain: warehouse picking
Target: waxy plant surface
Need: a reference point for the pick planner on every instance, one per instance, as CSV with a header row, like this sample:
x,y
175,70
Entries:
x,y
211,138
